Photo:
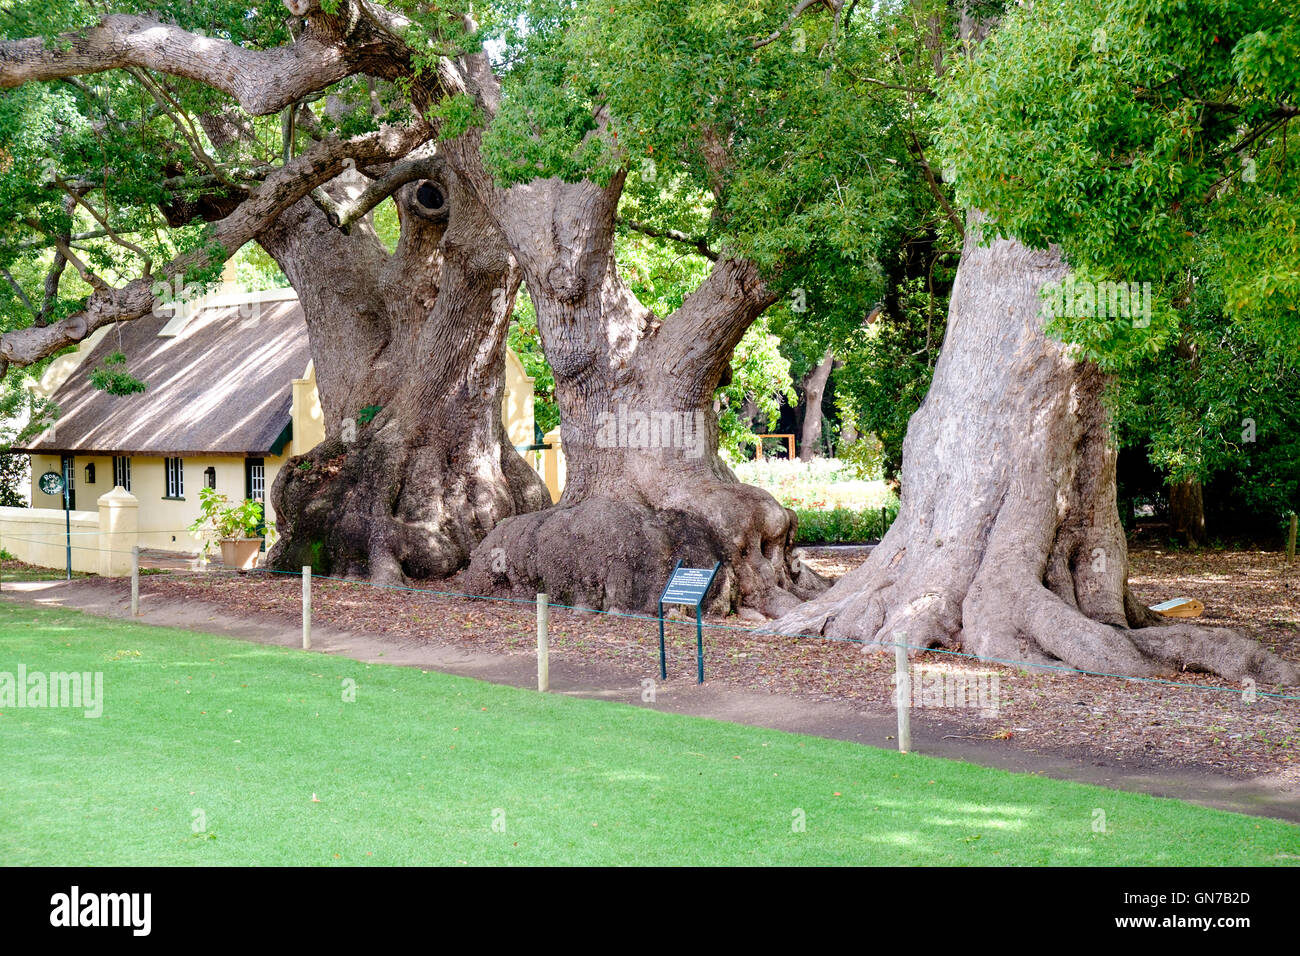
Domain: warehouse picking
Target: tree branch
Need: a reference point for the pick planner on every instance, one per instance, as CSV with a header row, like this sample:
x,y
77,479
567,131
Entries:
x,y
18,291
282,188
800,9
932,182
696,341
407,171
263,81
700,244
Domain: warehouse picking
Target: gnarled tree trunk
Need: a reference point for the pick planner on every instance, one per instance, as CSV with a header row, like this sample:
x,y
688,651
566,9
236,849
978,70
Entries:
x,y
645,486
1008,543
814,387
409,352
631,505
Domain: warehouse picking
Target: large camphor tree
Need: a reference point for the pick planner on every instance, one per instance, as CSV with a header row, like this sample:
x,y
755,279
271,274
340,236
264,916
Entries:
x,y
741,130
750,120
147,177
1139,142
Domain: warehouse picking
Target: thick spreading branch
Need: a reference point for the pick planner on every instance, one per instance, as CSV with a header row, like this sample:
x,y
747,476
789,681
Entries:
x,y
282,188
695,342
263,81
407,171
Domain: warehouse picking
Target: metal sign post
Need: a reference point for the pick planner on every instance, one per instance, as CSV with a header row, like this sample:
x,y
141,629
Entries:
x,y
52,483
686,586
67,527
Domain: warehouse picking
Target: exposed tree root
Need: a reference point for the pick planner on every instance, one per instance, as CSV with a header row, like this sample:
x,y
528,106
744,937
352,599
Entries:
x,y
617,554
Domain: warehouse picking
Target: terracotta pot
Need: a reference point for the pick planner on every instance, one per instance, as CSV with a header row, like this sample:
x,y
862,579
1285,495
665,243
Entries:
x,y
242,553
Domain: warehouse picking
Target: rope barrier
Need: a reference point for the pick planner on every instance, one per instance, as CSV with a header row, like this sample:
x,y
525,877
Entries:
x,y
720,626
762,633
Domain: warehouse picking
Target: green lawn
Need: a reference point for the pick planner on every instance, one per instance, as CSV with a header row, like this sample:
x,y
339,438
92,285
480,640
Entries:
x,y
238,737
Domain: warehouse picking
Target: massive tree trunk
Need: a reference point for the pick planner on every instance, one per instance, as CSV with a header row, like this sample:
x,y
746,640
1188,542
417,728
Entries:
x,y
645,486
409,353
814,387
1008,543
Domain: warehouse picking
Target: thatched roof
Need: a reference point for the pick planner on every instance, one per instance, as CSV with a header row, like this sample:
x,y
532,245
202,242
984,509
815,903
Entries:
x,y
219,384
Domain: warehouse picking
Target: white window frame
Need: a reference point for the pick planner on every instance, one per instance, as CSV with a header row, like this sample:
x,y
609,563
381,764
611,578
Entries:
x,y
257,482
174,477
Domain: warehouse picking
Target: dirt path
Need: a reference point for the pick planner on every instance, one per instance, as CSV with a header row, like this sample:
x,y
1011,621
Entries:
x,y
1273,795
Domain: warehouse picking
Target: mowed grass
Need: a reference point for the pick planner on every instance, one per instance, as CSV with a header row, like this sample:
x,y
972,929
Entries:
x,y
209,751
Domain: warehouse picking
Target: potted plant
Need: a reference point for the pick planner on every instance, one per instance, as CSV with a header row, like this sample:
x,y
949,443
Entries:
x,y
239,529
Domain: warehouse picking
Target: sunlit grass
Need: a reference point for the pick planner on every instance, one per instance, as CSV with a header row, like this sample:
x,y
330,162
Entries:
x,y
214,751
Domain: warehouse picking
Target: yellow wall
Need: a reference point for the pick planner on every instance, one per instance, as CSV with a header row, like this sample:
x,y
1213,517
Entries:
x,y
164,522
516,408
517,402
308,420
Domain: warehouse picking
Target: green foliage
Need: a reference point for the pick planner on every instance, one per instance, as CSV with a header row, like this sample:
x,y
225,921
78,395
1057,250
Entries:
x,y
112,376
526,342
219,519
1219,409
759,373
887,369
367,415
15,480
791,161
865,457
1148,138
457,115
841,525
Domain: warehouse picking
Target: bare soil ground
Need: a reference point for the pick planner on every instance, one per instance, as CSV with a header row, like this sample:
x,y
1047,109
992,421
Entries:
x,y
1192,724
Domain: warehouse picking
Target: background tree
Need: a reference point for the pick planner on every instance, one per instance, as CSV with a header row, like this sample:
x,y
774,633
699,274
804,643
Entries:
x,y
1220,412
786,177
165,167
1008,542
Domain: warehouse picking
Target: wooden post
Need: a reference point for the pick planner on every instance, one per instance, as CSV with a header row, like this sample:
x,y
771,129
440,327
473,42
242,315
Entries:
x,y
543,642
903,680
306,607
1290,540
135,580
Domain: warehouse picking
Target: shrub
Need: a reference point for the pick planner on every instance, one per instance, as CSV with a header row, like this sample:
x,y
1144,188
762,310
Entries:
x,y
219,519
843,525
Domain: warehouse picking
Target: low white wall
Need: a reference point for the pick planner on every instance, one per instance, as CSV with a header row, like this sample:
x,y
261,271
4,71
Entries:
x,y
36,536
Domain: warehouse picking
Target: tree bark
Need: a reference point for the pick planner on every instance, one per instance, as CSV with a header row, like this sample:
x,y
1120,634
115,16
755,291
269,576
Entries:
x,y
645,486
1008,543
1187,511
814,387
416,340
